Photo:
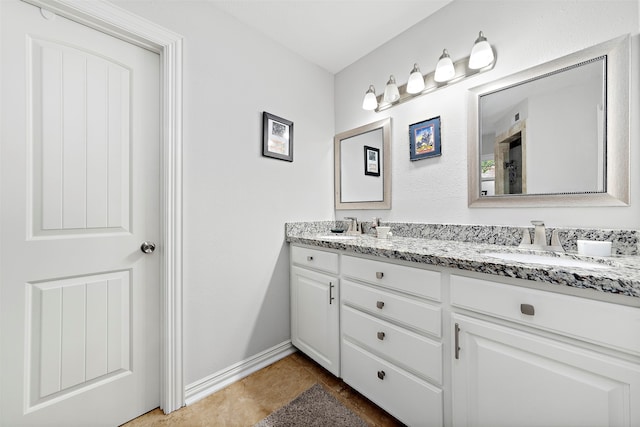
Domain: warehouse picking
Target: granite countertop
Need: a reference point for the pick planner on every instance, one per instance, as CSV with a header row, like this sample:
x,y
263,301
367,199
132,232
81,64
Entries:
x,y
623,278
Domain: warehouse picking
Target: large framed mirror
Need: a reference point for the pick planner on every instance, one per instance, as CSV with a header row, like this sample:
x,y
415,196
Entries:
x,y
362,170
554,135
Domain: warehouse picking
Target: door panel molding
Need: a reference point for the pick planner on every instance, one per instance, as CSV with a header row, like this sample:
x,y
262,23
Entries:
x,y
74,191
115,21
62,362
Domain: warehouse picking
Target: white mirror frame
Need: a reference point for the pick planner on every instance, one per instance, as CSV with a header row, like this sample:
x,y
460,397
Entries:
x,y
618,53
385,125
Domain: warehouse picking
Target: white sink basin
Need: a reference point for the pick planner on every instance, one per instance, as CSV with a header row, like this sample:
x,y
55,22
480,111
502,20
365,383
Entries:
x,y
547,260
337,237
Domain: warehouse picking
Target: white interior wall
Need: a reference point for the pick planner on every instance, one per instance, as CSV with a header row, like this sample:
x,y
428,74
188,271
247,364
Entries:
x,y
236,278
524,34
236,301
509,118
575,138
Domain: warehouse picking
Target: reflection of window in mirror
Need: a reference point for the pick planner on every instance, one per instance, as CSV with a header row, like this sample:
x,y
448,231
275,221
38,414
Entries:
x,y
488,173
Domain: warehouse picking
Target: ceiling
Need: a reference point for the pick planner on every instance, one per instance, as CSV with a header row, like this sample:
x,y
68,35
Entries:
x,y
331,33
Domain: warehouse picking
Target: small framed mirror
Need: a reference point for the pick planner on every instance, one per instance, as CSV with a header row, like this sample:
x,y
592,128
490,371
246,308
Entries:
x,y
554,135
362,167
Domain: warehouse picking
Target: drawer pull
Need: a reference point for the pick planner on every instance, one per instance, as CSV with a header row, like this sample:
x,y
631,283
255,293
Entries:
x,y
309,258
381,335
380,304
331,297
379,274
457,341
527,309
381,374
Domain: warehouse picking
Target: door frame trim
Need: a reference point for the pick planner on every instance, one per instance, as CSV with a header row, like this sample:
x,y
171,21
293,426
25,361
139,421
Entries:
x,y
118,22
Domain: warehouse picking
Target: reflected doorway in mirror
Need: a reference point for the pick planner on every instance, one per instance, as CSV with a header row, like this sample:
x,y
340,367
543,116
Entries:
x,y
511,160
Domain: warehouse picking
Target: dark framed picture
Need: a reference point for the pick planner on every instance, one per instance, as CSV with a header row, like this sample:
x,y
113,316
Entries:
x,y
371,161
424,139
277,138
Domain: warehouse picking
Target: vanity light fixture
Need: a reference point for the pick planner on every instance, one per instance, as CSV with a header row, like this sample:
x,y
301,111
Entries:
x,y
481,53
391,93
370,101
447,72
415,84
444,69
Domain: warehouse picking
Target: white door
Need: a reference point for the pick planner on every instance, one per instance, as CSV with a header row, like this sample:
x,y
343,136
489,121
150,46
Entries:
x,y
79,193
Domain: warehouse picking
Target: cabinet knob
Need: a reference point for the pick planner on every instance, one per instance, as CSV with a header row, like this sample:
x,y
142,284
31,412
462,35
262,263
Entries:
x,y
381,374
379,274
381,335
309,258
380,304
527,309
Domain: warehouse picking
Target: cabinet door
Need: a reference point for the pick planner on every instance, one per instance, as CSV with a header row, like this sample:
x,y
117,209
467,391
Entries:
x,y
314,317
506,377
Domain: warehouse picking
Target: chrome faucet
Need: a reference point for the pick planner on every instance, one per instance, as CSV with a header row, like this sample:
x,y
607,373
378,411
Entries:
x,y
354,227
540,238
539,234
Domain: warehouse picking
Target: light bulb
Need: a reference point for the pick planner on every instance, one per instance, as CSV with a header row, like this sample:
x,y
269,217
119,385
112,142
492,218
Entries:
x,y
370,101
391,93
444,69
416,81
481,53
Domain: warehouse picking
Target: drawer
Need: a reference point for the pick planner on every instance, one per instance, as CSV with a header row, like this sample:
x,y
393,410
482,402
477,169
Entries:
x,y
408,398
412,280
313,258
599,322
411,351
412,313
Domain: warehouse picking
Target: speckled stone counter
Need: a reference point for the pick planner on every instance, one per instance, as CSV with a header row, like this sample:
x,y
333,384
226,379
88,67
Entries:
x,y
623,278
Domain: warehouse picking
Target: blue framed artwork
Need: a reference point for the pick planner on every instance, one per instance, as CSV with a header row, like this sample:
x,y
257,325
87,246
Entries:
x,y
424,139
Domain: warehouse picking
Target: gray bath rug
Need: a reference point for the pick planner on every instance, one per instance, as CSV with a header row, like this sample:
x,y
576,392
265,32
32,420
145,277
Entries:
x,y
314,407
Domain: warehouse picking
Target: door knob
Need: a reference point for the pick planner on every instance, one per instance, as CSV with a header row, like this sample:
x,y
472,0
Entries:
x,y
148,247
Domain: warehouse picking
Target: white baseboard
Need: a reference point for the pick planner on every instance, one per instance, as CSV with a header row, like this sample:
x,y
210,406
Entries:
x,y
219,380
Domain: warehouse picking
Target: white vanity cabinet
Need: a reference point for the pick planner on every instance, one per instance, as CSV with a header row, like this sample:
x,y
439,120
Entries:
x,y
391,337
437,346
533,358
315,327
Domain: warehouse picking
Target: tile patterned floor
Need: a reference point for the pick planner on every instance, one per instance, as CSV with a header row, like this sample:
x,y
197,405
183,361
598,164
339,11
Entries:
x,y
249,400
